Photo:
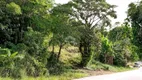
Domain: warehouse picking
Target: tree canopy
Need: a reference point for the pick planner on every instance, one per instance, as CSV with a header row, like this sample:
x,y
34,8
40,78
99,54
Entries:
x,y
134,16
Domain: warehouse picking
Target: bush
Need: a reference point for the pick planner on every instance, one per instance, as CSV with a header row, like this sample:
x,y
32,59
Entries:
x,y
11,64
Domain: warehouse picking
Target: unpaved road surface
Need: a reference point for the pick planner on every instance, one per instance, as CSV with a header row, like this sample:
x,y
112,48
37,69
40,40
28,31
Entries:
x,y
129,75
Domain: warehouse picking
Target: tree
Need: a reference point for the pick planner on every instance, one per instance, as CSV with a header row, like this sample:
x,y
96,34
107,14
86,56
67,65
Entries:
x,y
124,50
91,14
24,29
107,53
60,27
17,16
134,16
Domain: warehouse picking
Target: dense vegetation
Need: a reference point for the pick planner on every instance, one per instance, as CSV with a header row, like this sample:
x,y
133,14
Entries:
x,y
35,33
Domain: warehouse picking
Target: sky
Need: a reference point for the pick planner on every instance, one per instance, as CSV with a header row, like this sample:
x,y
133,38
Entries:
x,y
121,9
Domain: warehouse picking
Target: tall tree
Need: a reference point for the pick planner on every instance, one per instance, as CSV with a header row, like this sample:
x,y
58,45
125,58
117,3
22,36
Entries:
x,y
60,27
17,16
23,29
135,17
124,50
91,14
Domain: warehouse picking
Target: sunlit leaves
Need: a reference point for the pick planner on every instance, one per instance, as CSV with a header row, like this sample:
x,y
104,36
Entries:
x,y
14,8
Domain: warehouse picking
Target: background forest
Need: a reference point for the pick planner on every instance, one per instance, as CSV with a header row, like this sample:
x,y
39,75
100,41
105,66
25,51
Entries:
x,y
41,38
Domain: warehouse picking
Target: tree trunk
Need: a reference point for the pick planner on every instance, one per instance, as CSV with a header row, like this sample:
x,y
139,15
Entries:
x,y
80,48
59,53
16,38
110,60
53,48
105,58
86,41
86,55
52,52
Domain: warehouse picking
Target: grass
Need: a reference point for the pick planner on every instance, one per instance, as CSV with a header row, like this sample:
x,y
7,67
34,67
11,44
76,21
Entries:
x,y
74,73
70,56
99,66
71,74
5,79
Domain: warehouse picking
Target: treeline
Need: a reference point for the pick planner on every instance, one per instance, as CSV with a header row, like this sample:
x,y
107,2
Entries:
x,y
29,27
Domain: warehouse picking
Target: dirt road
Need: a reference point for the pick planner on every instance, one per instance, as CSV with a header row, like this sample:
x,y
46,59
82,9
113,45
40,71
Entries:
x,y
129,75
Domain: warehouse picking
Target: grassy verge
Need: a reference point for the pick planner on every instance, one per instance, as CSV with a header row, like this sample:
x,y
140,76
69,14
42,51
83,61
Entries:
x,y
70,57
71,74
77,73
101,66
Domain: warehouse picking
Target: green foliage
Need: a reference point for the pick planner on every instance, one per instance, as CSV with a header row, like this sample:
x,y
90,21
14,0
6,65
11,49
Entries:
x,y
106,45
101,66
13,63
13,8
90,15
124,50
106,51
7,63
61,28
29,28
134,16
19,33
